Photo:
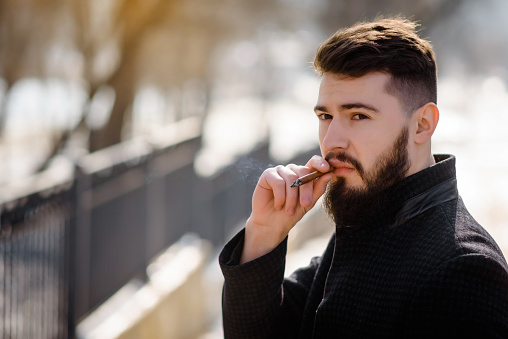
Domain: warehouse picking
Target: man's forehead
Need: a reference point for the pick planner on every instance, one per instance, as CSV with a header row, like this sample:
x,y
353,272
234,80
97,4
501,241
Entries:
x,y
338,85
379,77
343,92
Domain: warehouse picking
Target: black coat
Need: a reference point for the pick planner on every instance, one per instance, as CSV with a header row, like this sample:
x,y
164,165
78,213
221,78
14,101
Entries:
x,y
424,268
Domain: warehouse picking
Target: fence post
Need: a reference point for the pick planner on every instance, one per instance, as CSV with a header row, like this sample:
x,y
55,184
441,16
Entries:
x,y
80,249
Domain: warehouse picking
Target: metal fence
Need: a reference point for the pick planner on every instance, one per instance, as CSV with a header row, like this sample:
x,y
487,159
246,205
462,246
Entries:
x,y
35,244
66,246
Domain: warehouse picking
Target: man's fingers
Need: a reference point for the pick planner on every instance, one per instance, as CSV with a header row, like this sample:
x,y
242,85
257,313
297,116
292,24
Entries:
x,y
274,182
304,191
289,176
318,163
278,181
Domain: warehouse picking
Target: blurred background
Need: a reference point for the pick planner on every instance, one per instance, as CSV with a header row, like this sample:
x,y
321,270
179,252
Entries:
x,y
126,125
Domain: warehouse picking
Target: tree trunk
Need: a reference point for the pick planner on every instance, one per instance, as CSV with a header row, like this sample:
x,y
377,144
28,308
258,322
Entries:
x,y
124,84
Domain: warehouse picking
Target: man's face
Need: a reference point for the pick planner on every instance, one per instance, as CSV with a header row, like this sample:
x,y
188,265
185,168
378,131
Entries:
x,y
359,124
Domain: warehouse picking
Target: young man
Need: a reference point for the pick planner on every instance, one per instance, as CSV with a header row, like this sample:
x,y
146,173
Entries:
x,y
407,260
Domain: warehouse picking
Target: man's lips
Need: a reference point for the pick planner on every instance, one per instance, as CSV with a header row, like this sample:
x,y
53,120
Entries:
x,y
343,170
340,167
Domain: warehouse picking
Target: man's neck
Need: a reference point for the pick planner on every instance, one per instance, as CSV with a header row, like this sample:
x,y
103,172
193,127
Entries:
x,y
420,163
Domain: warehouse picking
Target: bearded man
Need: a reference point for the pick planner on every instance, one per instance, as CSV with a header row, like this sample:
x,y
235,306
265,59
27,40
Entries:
x,y
407,260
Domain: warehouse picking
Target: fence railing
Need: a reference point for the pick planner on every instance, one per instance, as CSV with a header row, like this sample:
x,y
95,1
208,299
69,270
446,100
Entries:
x,y
70,239
35,240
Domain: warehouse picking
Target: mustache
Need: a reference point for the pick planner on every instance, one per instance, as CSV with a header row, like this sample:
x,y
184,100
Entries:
x,y
347,159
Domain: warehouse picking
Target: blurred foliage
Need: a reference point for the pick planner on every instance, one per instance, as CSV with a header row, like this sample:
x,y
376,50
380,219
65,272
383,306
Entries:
x,y
118,46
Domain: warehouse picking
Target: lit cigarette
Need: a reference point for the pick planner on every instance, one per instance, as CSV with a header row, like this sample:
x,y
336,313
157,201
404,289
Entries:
x,y
309,177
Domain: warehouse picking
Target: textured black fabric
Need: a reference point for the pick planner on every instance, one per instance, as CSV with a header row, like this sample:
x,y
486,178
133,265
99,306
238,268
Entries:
x,y
419,270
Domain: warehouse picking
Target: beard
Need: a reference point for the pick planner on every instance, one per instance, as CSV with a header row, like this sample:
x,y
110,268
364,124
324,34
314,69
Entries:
x,y
353,206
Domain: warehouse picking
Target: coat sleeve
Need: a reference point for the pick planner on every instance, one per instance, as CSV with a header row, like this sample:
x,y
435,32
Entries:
x,y
257,301
466,297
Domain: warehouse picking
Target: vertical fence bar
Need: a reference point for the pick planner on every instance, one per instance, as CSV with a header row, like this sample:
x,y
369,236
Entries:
x,y
79,276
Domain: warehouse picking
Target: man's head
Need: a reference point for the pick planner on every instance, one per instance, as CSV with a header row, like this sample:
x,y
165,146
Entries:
x,y
376,107
391,46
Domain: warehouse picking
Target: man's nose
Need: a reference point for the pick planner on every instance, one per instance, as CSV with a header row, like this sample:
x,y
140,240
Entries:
x,y
336,136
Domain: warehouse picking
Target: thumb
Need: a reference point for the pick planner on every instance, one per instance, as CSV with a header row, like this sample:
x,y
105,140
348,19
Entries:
x,y
320,187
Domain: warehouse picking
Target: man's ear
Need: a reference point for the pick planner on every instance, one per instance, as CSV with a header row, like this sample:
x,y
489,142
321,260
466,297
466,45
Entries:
x,y
427,118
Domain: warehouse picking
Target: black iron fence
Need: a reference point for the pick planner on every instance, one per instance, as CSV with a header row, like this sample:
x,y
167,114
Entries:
x,y
35,240
74,239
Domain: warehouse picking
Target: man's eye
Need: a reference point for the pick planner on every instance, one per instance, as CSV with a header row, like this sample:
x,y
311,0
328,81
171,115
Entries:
x,y
359,116
324,116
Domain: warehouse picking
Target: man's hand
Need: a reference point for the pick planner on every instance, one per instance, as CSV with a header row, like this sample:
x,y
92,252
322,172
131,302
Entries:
x,y
277,207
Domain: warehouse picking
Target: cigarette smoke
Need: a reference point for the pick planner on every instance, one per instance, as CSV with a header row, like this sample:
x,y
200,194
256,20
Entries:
x,y
250,169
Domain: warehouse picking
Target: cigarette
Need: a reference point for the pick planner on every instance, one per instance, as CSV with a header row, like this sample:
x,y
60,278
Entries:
x,y
309,177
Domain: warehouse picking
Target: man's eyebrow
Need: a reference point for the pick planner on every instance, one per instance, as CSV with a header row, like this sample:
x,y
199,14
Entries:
x,y
346,107
320,108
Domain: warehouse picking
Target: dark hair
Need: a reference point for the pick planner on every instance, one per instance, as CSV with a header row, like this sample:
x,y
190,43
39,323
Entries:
x,y
385,45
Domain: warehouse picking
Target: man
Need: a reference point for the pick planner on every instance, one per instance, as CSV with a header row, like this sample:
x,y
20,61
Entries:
x,y
407,260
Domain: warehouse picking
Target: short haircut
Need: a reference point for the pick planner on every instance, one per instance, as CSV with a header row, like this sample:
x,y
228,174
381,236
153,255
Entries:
x,y
386,45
